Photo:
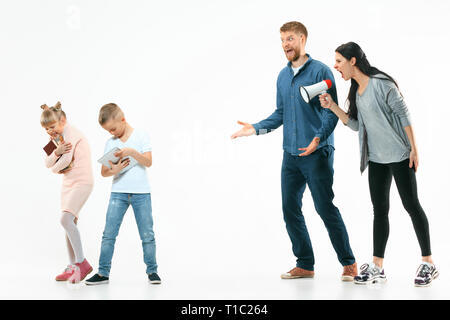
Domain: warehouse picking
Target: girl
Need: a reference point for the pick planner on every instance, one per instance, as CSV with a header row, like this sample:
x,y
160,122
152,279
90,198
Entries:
x,y
72,158
387,144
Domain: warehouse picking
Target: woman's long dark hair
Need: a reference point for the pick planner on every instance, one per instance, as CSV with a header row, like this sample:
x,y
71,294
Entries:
x,y
349,50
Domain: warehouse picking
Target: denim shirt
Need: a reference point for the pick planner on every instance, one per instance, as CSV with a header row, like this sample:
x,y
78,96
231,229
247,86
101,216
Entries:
x,y
302,122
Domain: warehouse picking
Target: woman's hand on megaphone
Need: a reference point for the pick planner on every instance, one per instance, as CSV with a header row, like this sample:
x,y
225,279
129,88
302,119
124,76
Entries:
x,y
326,101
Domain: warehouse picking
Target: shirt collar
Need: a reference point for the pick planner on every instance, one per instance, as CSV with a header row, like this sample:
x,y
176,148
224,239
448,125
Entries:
x,y
304,65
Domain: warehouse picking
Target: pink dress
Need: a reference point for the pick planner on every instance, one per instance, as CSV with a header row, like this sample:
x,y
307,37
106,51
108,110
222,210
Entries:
x,y
78,182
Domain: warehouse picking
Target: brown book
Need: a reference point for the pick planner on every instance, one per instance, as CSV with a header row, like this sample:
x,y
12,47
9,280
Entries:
x,y
50,147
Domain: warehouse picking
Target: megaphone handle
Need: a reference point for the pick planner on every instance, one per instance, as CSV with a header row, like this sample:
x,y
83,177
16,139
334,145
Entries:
x,y
323,92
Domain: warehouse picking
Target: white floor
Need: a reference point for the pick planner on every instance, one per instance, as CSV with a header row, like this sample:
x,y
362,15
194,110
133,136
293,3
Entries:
x,y
17,284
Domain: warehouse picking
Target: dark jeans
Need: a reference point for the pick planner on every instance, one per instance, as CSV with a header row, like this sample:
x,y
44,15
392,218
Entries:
x,y
380,178
316,171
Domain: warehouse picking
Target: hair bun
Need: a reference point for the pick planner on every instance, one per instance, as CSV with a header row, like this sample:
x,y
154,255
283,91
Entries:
x,y
58,106
44,107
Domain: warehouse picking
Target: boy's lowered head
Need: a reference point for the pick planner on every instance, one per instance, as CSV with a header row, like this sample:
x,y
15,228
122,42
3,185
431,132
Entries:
x,y
112,119
53,119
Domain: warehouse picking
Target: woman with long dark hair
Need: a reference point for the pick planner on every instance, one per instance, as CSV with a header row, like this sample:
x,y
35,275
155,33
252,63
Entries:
x,y
387,146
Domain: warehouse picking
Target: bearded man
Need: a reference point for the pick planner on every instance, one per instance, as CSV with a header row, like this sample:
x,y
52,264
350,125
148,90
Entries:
x,y
308,146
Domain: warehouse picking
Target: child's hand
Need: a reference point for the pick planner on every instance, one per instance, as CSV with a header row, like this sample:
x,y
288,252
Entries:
x,y
63,148
125,152
116,168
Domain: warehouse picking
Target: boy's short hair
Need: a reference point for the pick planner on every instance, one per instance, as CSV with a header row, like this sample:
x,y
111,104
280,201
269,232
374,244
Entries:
x,y
294,26
109,111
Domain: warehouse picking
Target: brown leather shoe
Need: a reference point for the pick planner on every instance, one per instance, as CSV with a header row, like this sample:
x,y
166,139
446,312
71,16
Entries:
x,y
350,272
298,273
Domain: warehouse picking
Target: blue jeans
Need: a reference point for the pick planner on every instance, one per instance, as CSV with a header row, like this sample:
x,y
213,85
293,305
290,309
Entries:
x,y
118,205
316,171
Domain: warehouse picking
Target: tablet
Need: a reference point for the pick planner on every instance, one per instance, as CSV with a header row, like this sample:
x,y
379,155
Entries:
x,y
109,156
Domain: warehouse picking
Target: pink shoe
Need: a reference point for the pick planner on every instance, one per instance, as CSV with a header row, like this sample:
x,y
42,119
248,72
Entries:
x,y
68,272
85,269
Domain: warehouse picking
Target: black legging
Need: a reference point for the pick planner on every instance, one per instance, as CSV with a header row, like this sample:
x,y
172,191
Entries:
x,y
380,178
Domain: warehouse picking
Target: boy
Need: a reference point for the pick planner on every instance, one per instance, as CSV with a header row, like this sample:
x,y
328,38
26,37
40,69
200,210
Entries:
x,y
130,187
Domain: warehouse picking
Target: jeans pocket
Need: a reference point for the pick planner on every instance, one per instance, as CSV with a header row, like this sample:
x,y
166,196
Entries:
x,y
325,152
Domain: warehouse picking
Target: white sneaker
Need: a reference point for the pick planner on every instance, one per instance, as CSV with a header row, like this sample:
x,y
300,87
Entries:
x,y
370,273
425,274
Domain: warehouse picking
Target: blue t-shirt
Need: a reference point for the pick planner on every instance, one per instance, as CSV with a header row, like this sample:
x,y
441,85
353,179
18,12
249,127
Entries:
x,y
134,180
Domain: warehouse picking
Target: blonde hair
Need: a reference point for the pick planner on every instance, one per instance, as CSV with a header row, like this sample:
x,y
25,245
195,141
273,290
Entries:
x,y
51,114
109,111
294,26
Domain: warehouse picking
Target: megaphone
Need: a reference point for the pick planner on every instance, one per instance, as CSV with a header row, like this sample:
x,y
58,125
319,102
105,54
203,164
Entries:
x,y
313,90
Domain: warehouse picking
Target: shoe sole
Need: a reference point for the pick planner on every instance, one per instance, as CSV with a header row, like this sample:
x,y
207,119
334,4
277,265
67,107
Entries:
x,y
155,281
295,277
347,278
428,284
378,280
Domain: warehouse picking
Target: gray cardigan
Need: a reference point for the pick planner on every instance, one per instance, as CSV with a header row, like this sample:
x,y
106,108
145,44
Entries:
x,y
386,112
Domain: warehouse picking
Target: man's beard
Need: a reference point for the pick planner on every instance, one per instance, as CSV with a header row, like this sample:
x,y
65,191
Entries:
x,y
295,57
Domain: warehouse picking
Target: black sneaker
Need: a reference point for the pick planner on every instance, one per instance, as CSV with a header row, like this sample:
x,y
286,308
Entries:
x,y
154,278
96,279
426,273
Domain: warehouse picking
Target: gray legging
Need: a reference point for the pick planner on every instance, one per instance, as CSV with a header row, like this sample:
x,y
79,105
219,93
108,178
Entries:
x,y
73,238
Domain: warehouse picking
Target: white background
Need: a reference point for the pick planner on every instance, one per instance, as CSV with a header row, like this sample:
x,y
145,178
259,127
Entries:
x,y
186,71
